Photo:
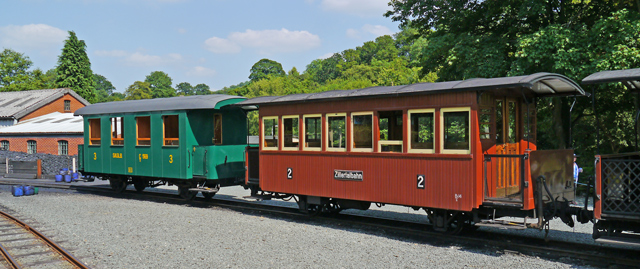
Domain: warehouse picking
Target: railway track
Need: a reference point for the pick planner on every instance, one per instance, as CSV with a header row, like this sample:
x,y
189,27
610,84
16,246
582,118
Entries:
x,y
22,246
404,230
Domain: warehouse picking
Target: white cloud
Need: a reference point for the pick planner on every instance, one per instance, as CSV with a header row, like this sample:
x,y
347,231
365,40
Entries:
x,y
265,41
365,8
32,37
221,45
200,71
377,30
142,59
182,31
368,29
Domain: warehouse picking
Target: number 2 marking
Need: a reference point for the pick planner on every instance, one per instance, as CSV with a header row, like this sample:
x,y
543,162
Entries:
x,y
420,181
289,173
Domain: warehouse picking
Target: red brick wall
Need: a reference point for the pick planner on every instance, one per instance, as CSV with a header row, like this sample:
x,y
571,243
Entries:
x,y
55,106
44,144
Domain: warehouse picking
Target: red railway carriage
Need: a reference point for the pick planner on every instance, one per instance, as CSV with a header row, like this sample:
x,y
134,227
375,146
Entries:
x,y
461,150
617,184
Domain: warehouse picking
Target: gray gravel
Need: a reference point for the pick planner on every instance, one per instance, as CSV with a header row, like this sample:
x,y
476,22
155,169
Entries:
x,y
129,233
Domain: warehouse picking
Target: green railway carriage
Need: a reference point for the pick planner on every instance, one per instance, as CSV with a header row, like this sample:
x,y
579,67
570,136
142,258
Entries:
x,y
194,142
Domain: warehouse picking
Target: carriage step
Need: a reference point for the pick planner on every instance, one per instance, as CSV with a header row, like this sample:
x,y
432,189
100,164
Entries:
x,y
205,190
621,240
502,224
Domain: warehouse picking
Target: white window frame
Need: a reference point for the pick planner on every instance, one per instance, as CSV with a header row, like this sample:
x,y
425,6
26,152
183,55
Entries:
x,y
352,146
60,147
326,136
421,111
262,145
304,136
35,147
454,151
282,132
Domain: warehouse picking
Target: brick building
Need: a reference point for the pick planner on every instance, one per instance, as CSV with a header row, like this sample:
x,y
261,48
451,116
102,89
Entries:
x,y
41,121
55,133
19,106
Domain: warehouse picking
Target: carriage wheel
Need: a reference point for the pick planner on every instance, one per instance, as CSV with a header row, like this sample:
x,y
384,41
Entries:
x,y
186,194
118,184
139,184
314,210
332,207
208,195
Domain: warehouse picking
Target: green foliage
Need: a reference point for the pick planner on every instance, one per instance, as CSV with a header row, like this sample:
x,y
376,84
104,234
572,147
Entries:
x,y
104,88
14,70
138,90
265,68
160,85
74,69
184,89
201,89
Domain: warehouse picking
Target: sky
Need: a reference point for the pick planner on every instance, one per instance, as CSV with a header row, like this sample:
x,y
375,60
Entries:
x,y
213,42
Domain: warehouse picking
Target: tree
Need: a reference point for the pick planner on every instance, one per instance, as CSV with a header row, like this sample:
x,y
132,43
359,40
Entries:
x,y
160,84
74,68
138,90
14,70
201,89
184,88
104,88
265,67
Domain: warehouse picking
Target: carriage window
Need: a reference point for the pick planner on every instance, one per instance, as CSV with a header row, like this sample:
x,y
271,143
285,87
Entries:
x,y
529,122
337,131
171,132
270,133
362,131
312,132
291,129
390,125
94,131
422,126
217,129
499,122
513,134
455,129
143,126
117,133
485,123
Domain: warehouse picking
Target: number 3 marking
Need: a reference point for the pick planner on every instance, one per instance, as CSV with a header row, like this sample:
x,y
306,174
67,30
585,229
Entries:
x,y
420,181
95,156
170,158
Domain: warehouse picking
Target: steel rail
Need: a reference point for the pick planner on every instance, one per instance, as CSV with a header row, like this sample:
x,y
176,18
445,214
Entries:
x,y
55,247
9,258
413,230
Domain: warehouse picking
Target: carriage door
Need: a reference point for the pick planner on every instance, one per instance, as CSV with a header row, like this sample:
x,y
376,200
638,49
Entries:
x,y
505,164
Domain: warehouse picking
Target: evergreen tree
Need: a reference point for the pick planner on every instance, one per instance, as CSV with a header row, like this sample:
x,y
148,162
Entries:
x,y
74,68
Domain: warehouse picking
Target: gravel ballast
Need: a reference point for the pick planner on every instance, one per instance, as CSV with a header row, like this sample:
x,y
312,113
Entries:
x,y
110,232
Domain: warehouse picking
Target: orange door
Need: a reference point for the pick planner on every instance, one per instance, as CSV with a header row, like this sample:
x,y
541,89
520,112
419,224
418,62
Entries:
x,y
507,169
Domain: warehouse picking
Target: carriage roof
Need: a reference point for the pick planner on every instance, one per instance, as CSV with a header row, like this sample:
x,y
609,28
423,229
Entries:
x,y
630,77
213,101
539,85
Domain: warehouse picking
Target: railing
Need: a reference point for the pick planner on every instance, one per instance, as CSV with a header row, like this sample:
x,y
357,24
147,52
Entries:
x,y
504,177
620,188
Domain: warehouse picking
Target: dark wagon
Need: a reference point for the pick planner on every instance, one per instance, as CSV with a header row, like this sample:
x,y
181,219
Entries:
x,y
194,142
464,151
617,184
